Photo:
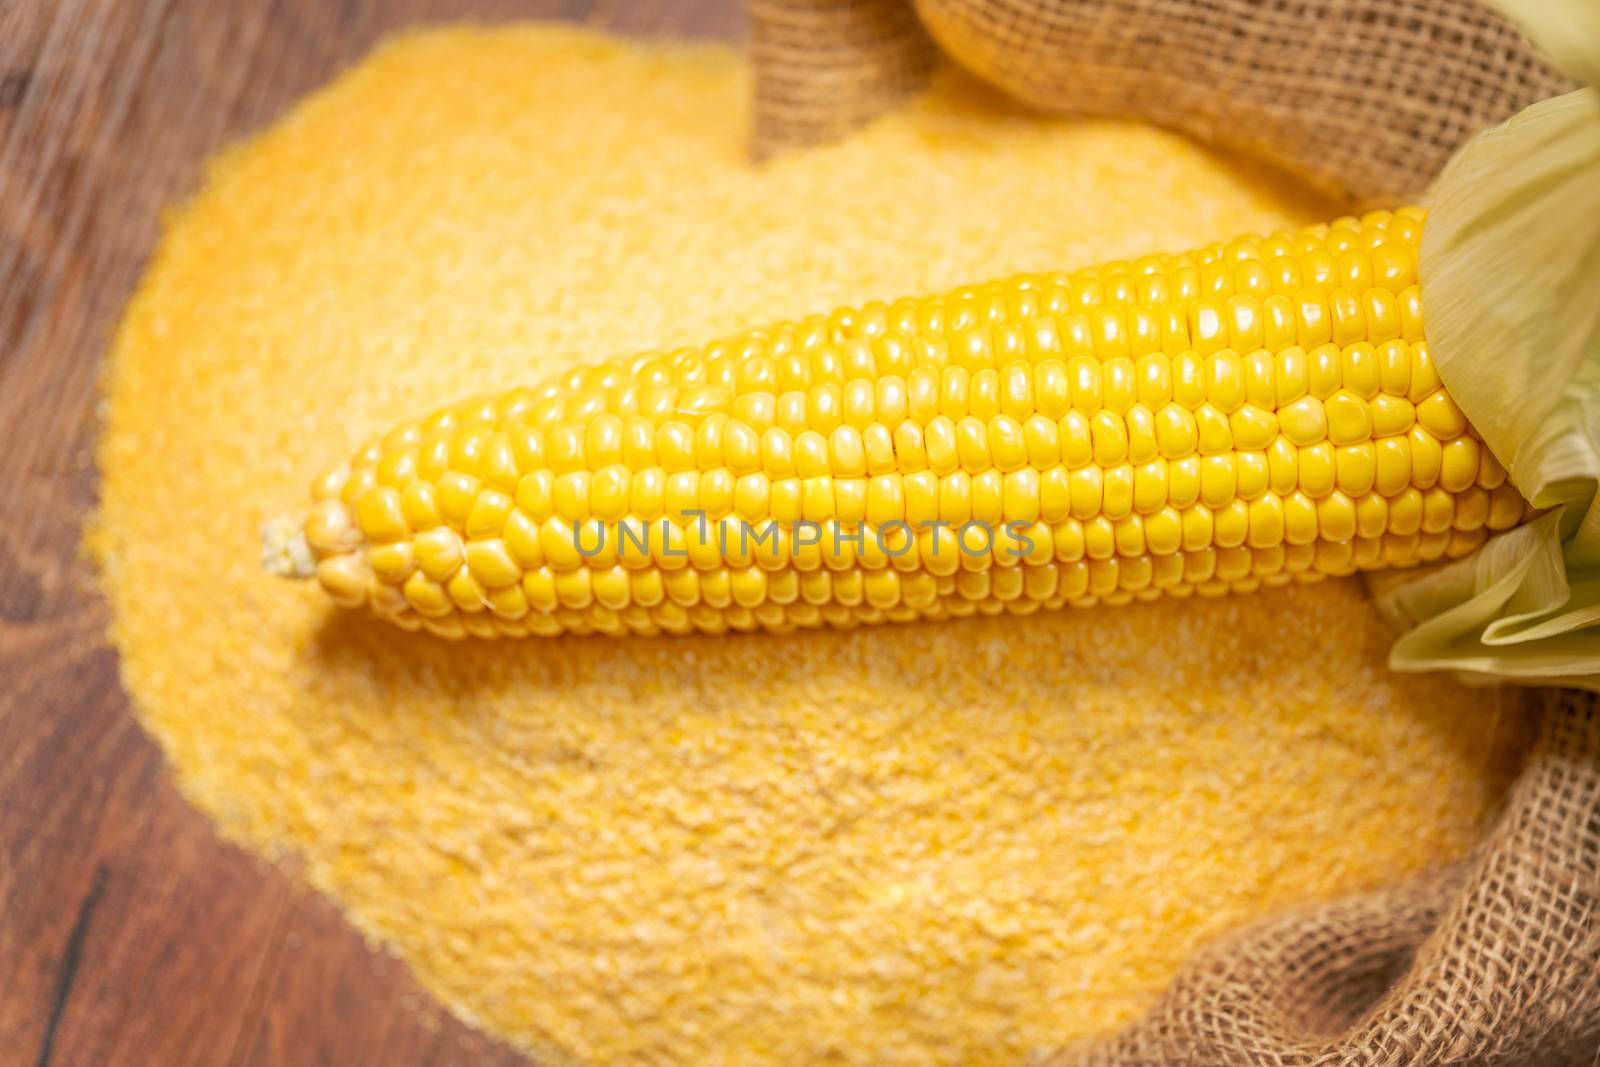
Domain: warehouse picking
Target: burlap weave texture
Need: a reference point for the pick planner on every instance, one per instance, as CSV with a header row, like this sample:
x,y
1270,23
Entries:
x,y
1497,962
823,69
1362,99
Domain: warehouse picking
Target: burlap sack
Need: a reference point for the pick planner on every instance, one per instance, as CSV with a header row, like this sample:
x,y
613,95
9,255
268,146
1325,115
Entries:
x,y
1498,961
824,68
1363,99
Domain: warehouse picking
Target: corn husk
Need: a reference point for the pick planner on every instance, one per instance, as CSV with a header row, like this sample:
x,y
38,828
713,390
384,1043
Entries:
x,y
1510,268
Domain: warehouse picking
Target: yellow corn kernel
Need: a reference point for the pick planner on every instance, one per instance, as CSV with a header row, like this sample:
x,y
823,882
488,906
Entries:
x,y
1293,377
1472,508
1391,415
1129,535
1083,376
1052,388
1325,363
955,497
1356,468
1021,498
877,446
1142,443
943,446
1384,315
1163,531
1183,481
988,497
438,552
1261,411
1225,381
1506,507
850,501
1154,374
1361,371
418,507
1055,495
1041,443
1218,480
1316,469
488,513
1117,495
427,597
909,446
1394,368
1405,512
465,591
922,498
1189,379
1069,542
1305,421
1110,436
1313,324
1199,528
1150,487
1255,474
885,501
1458,466
1392,459
1215,431
972,445
1266,521
1440,416
1336,517
1427,457
1260,389
1334,557
1372,515
1411,313
1491,475
1252,427
491,563
455,493
1438,510
1300,525
1077,440
1424,380
1099,538
394,563
575,589
1349,418
379,515
1231,524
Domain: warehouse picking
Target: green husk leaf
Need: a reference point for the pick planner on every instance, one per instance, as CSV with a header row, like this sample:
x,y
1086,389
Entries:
x,y
1510,270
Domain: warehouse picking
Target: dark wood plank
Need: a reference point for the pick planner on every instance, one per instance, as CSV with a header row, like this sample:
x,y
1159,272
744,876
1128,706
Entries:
x,y
129,933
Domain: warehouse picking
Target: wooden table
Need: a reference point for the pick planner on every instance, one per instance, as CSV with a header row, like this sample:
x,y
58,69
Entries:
x,y
129,933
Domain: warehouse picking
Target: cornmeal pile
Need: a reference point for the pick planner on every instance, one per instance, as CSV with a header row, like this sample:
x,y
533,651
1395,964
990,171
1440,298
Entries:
x,y
927,844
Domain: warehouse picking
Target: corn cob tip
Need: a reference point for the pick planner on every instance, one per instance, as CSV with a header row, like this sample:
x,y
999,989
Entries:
x,y
284,550
327,544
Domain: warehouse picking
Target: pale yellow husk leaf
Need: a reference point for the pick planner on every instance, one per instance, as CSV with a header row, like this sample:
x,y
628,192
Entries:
x,y
1510,272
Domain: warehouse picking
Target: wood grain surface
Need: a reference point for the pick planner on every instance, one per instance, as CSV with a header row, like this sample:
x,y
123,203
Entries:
x,y
129,933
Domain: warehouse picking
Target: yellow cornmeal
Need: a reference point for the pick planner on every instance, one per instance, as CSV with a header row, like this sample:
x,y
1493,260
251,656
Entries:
x,y
929,844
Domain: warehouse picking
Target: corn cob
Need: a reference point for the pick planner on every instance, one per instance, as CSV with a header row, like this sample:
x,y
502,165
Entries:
x,y
1256,412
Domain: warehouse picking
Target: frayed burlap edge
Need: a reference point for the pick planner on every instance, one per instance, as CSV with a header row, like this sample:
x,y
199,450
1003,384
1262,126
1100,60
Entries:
x,y
1495,962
